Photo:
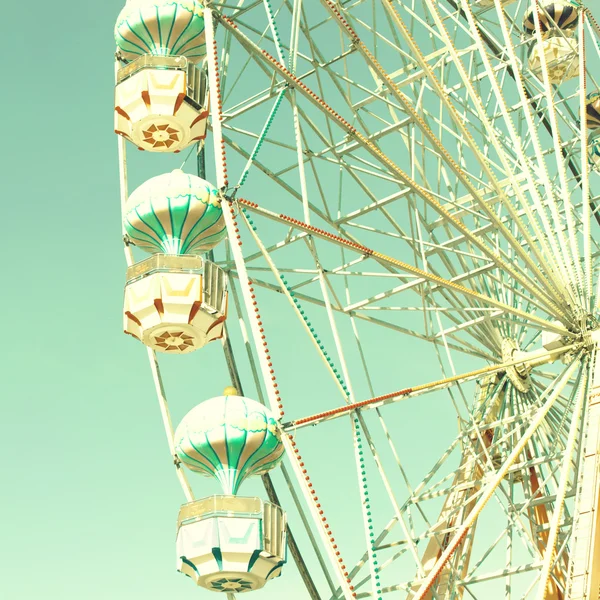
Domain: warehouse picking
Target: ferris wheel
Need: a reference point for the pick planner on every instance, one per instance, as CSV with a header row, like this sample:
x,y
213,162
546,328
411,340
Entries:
x,y
399,183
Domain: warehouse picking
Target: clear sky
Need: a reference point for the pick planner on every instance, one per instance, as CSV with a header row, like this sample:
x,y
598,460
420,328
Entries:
x,y
88,495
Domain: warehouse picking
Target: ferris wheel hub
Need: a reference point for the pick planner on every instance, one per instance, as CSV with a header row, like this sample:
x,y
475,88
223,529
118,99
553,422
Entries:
x,y
554,347
518,374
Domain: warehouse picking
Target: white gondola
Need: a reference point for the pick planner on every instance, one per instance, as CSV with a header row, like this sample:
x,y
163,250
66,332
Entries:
x,y
231,544
161,103
175,304
561,58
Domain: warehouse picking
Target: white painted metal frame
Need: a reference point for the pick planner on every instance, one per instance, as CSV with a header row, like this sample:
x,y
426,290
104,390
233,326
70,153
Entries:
x,y
422,181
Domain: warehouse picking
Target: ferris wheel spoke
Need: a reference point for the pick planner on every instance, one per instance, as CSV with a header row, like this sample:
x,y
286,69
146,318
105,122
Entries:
x,y
461,346
464,346
408,107
495,482
585,167
357,419
283,288
333,270
332,116
528,115
550,552
384,259
418,222
380,418
492,134
575,263
458,120
418,390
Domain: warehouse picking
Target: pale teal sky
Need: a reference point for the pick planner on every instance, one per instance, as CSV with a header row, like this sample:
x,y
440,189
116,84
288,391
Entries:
x,y
88,495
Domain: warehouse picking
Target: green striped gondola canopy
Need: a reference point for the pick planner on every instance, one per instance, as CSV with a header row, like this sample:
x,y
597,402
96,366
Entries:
x,y
229,438
594,152
175,213
161,28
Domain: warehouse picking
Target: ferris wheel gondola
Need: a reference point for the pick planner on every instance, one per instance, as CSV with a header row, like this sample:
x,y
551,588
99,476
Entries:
x,y
161,96
230,543
555,45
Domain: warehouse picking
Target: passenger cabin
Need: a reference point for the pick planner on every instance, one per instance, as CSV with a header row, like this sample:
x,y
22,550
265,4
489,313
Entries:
x,y
558,48
230,543
161,103
175,303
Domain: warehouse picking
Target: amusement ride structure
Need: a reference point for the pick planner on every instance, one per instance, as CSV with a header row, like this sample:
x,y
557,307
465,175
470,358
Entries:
x,y
396,181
